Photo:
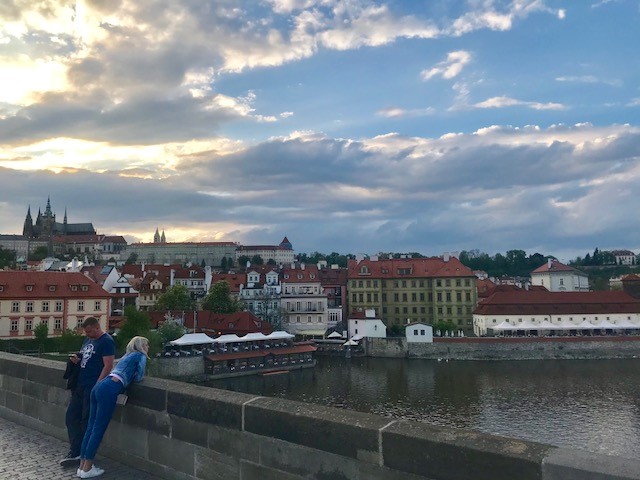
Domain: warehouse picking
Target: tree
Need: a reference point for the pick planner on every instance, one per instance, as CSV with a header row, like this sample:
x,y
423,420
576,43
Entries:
x,y
170,330
177,297
68,340
41,332
257,260
223,264
271,261
40,253
219,299
136,323
7,258
242,261
133,258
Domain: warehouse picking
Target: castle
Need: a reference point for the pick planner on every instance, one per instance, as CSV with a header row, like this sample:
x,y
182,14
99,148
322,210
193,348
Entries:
x,y
46,226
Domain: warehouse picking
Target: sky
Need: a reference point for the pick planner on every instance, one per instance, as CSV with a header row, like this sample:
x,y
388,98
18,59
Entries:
x,y
352,126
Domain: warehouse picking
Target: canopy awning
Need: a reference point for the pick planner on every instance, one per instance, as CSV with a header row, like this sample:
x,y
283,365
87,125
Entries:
x,y
193,339
502,326
626,325
334,335
253,337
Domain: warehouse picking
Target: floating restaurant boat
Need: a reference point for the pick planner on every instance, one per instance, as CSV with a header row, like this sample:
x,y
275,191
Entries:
x,y
232,356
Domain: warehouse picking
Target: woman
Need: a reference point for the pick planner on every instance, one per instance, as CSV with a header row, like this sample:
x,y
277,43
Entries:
x,y
103,401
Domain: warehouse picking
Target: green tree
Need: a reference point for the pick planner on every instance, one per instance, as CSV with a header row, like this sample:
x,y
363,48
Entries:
x,y
136,323
7,258
223,264
39,253
170,330
271,261
68,340
41,332
257,260
177,297
220,300
242,261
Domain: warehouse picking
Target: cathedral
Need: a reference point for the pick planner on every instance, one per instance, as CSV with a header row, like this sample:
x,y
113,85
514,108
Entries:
x,y
46,226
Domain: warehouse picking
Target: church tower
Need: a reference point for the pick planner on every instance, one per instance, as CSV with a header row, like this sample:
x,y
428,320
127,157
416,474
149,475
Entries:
x,y
27,229
64,225
163,239
156,237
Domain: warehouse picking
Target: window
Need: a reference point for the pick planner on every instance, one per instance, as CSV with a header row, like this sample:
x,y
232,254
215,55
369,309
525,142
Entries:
x,y
81,305
447,282
308,318
45,306
29,288
74,288
58,306
396,297
439,296
421,332
467,282
459,296
404,297
15,307
415,331
468,296
440,310
297,318
98,305
29,307
368,283
448,296
57,324
14,325
28,325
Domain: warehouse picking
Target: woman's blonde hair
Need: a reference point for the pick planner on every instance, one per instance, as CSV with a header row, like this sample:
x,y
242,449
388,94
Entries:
x,y
137,344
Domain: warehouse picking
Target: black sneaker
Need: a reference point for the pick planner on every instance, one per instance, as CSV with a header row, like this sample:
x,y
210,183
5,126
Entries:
x,y
70,460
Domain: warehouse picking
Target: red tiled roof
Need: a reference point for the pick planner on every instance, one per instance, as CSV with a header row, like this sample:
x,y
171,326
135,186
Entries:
x,y
14,285
242,322
556,266
432,267
233,279
298,275
632,277
185,243
538,302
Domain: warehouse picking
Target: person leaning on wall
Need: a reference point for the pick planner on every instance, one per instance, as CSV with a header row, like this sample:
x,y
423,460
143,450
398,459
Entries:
x,y
93,363
130,368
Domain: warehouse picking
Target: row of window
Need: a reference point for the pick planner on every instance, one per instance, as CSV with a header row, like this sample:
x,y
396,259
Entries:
x,y
45,306
28,324
309,319
415,297
440,310
448,282
559,319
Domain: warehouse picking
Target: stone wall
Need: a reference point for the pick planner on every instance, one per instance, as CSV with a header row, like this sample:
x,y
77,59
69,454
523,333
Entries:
x,y
182,431
506,348
178,367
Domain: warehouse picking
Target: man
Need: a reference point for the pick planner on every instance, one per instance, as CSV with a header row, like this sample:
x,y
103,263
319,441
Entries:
x,y
96,361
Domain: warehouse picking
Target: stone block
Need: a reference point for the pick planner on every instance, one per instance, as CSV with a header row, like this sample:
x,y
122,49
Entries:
x,y
569,464
13,401
51,414
148,420
189,431
252,471
457,454
127,438
13,384
35,390
173,453
343,432
210,465
367,471
49,373
58,396
234,443
298,460
151,394
209,405
12,366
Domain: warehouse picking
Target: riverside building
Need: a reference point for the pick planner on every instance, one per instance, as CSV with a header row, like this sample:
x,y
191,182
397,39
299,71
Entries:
x,y
408,290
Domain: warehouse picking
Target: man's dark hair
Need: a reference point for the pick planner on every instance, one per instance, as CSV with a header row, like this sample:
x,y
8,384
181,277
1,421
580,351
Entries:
x,y
90,321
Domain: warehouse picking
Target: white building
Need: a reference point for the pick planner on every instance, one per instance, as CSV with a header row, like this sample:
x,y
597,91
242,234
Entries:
x,y
624,257
261,294
419,333
281,254
366,325
557,277
304,302
536,311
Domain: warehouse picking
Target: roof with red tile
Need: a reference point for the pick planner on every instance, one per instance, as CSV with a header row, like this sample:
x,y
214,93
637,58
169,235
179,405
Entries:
x,y
147,244
432,267
233,279
539,302
556,266
26,285
632,277
485,287
308,274
208,322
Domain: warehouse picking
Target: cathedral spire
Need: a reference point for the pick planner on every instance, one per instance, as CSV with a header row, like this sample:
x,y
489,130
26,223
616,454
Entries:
x,y
156,237
47,211
163,239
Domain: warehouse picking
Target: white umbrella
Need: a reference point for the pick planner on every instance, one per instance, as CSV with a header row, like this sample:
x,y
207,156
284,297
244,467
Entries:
x,y
349,343
334,335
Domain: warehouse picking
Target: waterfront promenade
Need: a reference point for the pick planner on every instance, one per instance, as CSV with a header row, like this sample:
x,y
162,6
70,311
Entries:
x,y
27,454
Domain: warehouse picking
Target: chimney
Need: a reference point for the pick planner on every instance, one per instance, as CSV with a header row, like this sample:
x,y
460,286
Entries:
x,y
549,263
172,277
445,256
302,266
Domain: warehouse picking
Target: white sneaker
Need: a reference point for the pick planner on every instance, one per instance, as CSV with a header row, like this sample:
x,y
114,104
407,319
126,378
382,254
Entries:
x,y
94,472
78,472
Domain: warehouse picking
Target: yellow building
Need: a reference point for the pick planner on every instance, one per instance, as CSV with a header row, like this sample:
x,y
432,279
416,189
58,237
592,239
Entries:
x,y
410,290
59,299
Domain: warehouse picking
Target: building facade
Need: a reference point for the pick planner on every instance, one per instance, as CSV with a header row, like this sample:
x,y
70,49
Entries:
x,y
281,254
557,277
61,300
303,301
555,310
409,290
209,253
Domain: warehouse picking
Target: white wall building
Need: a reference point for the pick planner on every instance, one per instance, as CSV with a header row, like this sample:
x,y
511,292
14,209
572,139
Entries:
x,y
624,257
367,326
542,311
304,302
557,277
419,333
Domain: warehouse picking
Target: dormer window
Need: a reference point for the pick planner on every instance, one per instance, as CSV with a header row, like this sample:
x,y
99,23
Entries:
x,y
29,288
364,270
312,275
85,288
286,275
74,288
52,288
1,288
300,276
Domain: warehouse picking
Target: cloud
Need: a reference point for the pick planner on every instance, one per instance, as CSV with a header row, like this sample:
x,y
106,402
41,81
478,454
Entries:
x,y
448,68
396,112
503,102
635,102
587,79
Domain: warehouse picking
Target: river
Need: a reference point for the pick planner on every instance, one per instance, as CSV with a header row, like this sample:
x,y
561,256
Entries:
x,y
587,404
